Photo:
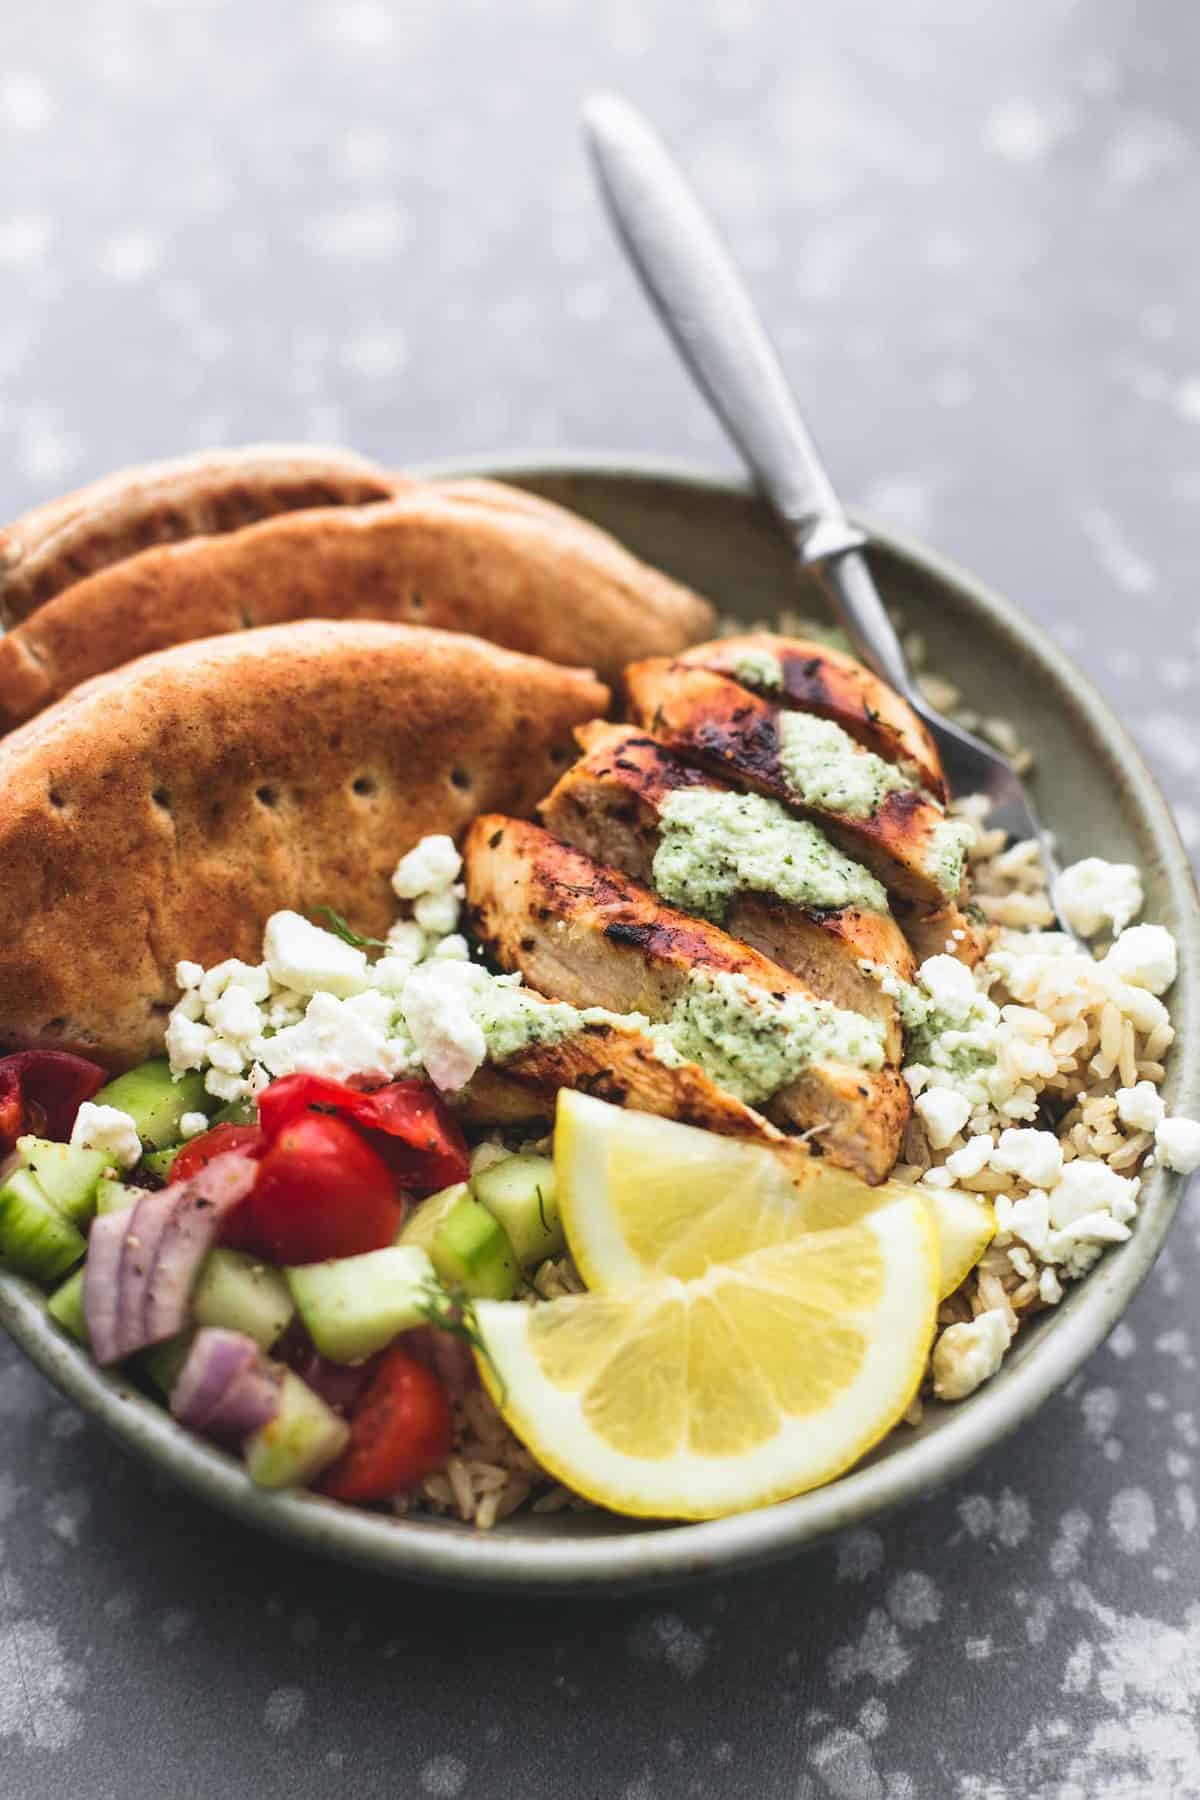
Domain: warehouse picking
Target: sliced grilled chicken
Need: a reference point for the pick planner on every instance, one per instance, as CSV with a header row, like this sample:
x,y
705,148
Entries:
x,y
623,1067
585,933
817,679
615,804
901,835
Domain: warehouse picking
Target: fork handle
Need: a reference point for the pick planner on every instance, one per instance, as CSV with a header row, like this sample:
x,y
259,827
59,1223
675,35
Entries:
x,y
703,302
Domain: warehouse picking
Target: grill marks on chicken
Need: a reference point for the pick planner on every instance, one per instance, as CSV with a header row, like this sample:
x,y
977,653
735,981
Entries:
x,y
815,678
580,931
714,721
610,804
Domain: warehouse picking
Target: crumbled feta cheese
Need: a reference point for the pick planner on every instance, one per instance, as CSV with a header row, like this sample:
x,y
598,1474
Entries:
x,y
973,1158
1145,956
1033,1156
227,1087
1140,1107
189,974
438,1013
339,1038
1178,1142
235,1015
407,941
1050,1290
943,1114
107,1129
1027,1219
254,977
433,863
226,1055
1093,894
937,1178
949,984
917,1076
1086,1186
437,912
454,948
1099,1227
187,1041
192,1124
302,956
967,1355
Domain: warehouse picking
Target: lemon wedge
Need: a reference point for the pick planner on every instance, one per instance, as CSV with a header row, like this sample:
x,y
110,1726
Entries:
x,y
643,1197
756,1380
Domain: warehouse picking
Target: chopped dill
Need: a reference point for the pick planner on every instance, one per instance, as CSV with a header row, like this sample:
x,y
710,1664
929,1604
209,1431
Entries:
x,y
456,1315
347,933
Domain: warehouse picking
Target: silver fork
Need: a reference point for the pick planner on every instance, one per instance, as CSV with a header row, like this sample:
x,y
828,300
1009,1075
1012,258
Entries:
x,y
704,304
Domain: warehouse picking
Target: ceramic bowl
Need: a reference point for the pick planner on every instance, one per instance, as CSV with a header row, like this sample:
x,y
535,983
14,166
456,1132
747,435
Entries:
x,y
1096,793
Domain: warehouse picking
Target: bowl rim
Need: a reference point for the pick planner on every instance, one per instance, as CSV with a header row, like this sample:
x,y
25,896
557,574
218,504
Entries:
x,y
643,1555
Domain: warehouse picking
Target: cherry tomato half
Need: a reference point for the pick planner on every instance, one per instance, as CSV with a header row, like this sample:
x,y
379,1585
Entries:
x,y
198,1151
41,1091
400,1432
409,1123
321,1193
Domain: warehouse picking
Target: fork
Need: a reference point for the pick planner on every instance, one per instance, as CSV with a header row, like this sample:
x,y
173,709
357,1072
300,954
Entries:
x,y
703,302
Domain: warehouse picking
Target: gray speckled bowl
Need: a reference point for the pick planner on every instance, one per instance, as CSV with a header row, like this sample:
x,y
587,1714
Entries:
x,y
1096,793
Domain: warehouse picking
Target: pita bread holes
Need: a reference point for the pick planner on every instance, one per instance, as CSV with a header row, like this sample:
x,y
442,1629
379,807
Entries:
x,y
461,779
365,786
266,795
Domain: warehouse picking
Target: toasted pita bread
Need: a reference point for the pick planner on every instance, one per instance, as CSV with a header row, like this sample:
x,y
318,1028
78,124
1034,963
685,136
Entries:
x,y
526,576
166,810
61,543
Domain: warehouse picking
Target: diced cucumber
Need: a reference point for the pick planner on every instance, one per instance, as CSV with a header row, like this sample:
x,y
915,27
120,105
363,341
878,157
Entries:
x,y
356,1305
158,1162
303,1438
116,1196
155,1101
35,1238
520,1192
470,1250
162,1362
65,1307
424,1220
242,1294
66,1176
234,1112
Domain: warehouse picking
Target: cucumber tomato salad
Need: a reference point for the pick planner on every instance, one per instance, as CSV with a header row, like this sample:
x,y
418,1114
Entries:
x,y
291,1279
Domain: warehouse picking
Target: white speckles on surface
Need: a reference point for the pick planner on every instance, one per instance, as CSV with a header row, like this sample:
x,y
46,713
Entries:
x,y
879,1654
283,1710
1132,1521
914,1601
666,1638
444,1777
859,1554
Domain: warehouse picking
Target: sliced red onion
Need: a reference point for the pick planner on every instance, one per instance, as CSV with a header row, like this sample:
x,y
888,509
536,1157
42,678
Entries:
x,y
215,1361
142,1263
102,1284
250,1400
146,1225
448,1356
203,1204
225,1387
340,1385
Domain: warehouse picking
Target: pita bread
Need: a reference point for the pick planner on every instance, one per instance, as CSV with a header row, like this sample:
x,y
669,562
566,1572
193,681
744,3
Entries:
x,y
166,810
61,543
528,576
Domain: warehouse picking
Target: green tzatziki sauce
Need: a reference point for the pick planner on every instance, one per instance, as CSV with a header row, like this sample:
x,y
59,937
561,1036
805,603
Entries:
x,y
825,767
759,669
947,859
513,1019
752,1043
748,1041
715,845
